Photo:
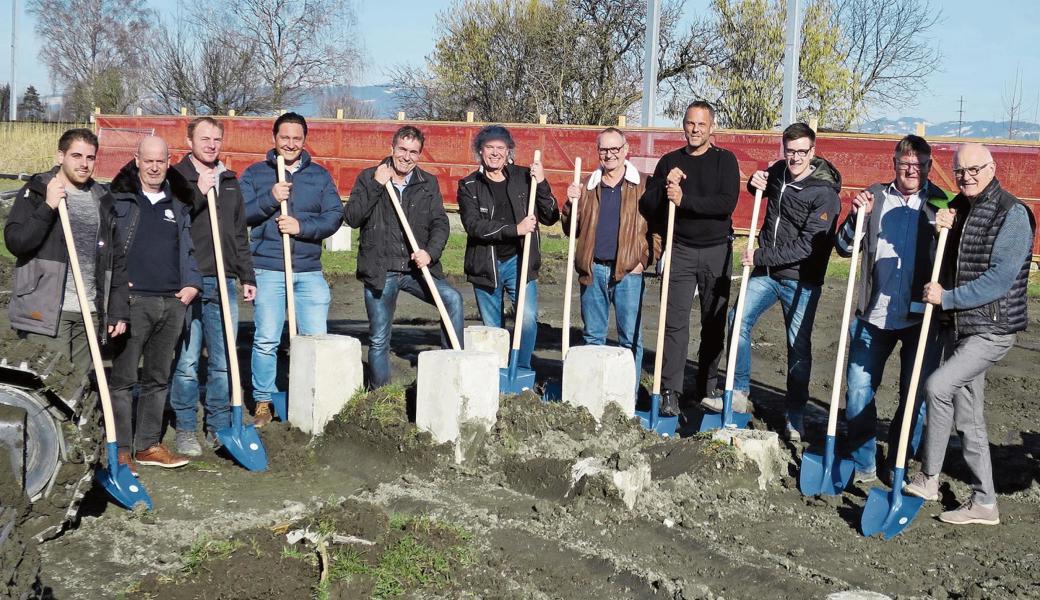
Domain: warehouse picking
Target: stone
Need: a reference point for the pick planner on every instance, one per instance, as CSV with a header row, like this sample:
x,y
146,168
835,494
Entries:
x,y
488,339
324,372
760,447
857,595
339,241
595,473
594,376
457,398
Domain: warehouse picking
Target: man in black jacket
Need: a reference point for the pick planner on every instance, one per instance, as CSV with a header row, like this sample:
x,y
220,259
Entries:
x,y
386,263
790,262
203,171
703,181
43,305
153,226
493,206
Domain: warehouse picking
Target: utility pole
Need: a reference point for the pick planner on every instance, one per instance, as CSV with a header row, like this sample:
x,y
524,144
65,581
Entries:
x,y
791,51
653,28
960,117
12,108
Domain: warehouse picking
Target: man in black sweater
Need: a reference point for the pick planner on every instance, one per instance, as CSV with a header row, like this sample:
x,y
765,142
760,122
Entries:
x,y
703,181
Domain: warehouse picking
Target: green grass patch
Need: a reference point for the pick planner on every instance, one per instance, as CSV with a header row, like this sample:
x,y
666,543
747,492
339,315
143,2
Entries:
x,y
385,405
205,549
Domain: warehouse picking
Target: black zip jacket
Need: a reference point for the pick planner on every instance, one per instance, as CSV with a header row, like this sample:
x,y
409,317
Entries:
x,y
801,218
234,236
477,207
33,235
383,245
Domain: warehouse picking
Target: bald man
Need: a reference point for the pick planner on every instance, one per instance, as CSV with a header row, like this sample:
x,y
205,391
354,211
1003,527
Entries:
x,y
153,225
984,295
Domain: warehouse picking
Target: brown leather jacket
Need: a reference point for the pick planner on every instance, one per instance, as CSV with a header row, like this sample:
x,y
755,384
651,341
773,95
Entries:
x,y
637,245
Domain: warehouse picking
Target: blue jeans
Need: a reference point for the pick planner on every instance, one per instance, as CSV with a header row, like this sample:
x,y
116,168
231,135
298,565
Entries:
x,y
206,329
312,310
868,352
490,302
627,297
798,302
381,304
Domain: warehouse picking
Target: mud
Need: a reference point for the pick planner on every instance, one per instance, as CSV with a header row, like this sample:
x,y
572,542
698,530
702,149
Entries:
x,y
702,528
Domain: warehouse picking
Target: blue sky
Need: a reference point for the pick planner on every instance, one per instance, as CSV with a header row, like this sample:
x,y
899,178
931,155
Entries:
x,y
982,43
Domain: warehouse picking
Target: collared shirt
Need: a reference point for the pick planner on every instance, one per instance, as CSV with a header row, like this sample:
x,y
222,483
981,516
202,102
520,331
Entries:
x,y
400,186
893,272
609,222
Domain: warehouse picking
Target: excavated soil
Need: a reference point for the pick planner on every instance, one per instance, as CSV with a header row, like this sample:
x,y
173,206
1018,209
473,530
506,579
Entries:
x,y
521,519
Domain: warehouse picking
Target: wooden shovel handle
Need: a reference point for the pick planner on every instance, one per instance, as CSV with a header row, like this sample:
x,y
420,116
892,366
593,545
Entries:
x,y
569,285
225,301
521,294
738,313
846,318
663,311
290,293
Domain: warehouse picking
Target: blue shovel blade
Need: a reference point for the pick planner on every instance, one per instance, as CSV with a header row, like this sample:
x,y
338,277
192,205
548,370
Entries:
x,y
280,402
714,420
553,391
888,512
521,379
243,442
814,479
120,483
654,421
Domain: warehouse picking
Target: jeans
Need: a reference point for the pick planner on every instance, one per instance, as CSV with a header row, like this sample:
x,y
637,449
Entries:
x,y
312,310
490,303
798,301
205,329
627,297
156,325
380,306
868,352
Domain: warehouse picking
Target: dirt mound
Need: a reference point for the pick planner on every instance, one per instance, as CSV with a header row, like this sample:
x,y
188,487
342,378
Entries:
x,y
19,557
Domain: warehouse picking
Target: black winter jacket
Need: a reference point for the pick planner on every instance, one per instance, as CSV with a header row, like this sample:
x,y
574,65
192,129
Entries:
x,y
477,207
801,217
384,246
34,235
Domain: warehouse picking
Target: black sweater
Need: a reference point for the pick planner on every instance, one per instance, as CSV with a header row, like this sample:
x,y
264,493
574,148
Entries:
x,y
710,191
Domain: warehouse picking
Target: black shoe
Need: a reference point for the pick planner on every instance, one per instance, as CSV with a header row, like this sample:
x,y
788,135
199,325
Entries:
x,y
670,403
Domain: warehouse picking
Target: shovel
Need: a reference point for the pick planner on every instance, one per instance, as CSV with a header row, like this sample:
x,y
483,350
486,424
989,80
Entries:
x,y
821,475
280,400
513,379
728,418
889,512
117,479
242,441
427,276
554,389
653,420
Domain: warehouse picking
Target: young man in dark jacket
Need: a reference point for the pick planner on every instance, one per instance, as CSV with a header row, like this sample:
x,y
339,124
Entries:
x,y
703,181
43,305
386,263
315,213
203,171
790,262
493,206
986,278
897,253
153,226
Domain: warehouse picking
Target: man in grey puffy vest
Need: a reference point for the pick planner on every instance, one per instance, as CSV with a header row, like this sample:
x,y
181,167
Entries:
x,y
985,275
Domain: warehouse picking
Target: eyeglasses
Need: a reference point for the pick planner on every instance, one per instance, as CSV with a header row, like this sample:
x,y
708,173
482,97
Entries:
x,y
611,151
798,153
970,171
912,166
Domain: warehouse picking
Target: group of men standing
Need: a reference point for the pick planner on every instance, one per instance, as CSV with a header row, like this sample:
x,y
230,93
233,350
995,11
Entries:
x,y
149,266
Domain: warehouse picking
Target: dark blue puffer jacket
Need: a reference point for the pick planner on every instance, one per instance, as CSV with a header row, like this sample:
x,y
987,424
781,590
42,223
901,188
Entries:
x,y
314,202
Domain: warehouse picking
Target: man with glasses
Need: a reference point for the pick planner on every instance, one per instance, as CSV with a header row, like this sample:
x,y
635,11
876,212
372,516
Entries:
x,y
898,252
790,263
614,246
703,181
984,294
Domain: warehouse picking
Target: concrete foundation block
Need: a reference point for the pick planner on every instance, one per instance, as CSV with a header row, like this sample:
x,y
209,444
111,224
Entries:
x,y
759,447
324,372
594,376
339,241
488,339
457,397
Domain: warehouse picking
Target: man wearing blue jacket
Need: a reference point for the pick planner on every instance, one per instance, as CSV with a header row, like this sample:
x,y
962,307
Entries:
x,y
315,213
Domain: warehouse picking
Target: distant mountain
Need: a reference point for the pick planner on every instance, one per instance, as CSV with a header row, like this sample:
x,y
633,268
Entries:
x,y
380,97
968,129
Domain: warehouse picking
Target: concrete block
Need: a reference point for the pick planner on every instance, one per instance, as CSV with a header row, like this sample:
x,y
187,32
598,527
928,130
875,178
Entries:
x,y
339,241
457,397
595,473
488,339
596,375
324,372
759,447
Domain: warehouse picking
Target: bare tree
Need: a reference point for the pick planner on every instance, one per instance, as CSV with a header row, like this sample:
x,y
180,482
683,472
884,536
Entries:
x,y
94,48
1012,100
332,101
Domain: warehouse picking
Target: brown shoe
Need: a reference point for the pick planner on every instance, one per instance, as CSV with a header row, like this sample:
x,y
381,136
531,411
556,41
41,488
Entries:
x,y
124,459
262,415
158,456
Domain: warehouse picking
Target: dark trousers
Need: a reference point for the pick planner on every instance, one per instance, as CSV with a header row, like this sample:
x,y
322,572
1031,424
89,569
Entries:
x,y
706,270
71,342
156,325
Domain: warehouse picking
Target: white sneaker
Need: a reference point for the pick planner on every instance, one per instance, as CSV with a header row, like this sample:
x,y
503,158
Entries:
x,y
741,404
